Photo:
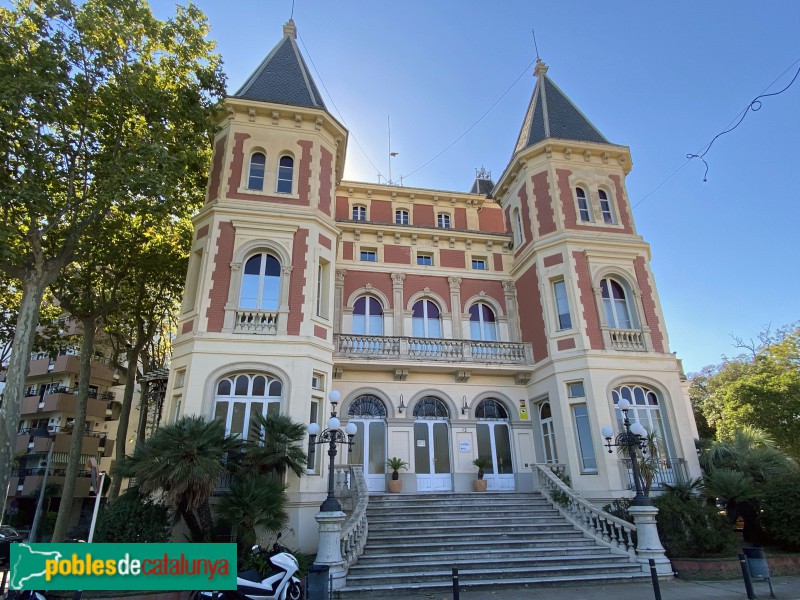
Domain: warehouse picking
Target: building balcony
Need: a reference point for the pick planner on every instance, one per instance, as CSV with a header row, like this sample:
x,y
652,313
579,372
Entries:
x,y
264,322
393,348
70,363
39,440
64,402
668,471
632,340
27,482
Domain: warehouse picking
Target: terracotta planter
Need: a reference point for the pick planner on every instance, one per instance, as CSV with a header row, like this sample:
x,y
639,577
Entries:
x,y
395,485
479,485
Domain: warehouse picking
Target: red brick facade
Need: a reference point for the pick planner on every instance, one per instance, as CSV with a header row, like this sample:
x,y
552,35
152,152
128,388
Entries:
x,y
571,216
380,211
202,232
531,314
395,254
452,259
304,172
473,287
220,278
342,207
325,242
423,215
325,180
460,218
544,204
216,168
490,218
498,261
587,301
417,283
355,280
566,343
553,259
187,326
649,304
526,219
347,250
321,332
297,282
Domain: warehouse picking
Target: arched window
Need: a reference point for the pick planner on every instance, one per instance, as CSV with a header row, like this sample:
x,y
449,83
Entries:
x,y
482,323
401,217
431,407
615,302
548,433
605,207
285,174
425,320
239,398
255,179
261,282
518,229
367,316
359,213
646,409
491,410
583,205
367,407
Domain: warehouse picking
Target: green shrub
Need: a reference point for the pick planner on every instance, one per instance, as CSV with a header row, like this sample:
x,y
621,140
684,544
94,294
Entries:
x,y
133,518
691,528
619,508
780,505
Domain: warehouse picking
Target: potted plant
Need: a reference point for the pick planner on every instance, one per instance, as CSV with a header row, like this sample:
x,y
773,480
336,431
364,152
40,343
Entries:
x,y
479,484
395,464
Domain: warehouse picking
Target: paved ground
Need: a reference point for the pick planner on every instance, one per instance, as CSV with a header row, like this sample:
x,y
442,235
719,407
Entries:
x,y
786,588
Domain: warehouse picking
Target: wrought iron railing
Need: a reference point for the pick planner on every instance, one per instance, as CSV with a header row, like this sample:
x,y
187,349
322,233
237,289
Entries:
x,y
667,471
602,526
627,339
418,348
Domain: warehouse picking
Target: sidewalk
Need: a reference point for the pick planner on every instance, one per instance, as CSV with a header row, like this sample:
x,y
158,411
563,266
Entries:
x,y
786,588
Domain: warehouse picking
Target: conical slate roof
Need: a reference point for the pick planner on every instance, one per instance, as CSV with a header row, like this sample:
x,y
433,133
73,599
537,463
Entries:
x,y
552,115
283,76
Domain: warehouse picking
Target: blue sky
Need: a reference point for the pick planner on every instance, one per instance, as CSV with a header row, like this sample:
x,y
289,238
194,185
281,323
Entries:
x,y
662,78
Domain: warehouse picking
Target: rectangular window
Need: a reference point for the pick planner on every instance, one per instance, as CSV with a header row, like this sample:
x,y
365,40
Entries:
x,y
443,221
369,255
584,434
479,264
180,378
576,390
562,305
605,208
313,417
322,289
176,402
359,213
401,217
318,382
425,260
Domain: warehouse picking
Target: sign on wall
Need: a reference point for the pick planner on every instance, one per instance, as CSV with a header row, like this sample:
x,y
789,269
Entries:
x,y
465,447
523,409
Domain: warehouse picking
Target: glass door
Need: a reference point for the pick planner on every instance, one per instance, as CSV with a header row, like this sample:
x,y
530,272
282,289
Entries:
x,y
369,449
432,456
494,444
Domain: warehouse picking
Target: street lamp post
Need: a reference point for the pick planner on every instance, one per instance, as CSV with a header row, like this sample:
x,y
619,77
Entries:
x,y
330,516
332,436
648,544
633,437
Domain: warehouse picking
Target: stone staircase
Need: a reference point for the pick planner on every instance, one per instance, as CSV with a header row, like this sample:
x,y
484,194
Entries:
x,y
495,539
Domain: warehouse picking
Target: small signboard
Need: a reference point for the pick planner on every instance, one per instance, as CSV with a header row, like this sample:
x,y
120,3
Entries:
x,y
421,443
523,409
465,447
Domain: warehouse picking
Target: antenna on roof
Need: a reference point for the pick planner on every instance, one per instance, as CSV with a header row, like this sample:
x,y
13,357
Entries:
x,y
291,16
535,45
391,154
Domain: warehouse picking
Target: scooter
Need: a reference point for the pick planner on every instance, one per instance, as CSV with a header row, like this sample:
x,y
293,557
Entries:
x,y
279,584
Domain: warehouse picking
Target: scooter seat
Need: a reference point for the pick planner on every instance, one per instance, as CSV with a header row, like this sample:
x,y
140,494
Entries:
x,y
250,575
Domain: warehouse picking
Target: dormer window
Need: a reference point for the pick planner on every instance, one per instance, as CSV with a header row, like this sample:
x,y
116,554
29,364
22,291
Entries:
x,y
285,174
255,179
583,205
443,221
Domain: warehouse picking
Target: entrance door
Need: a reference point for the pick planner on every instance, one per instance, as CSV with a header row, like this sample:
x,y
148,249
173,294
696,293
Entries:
x,y
494,443
368,413
432,456
369,449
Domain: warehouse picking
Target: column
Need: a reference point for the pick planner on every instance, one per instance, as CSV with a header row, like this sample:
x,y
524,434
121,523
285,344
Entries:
x,y
338,300
397,302
512,312
455,307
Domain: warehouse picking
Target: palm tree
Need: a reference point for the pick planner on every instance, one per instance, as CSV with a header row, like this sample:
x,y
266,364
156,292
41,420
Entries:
x,y
276,447
185,462
256,501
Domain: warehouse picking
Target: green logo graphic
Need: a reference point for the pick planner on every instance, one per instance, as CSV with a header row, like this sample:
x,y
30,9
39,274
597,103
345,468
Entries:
x,y
173,567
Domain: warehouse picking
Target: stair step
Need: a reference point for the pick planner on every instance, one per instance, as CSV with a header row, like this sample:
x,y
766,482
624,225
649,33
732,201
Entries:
x,y
521,545
488,554
443,562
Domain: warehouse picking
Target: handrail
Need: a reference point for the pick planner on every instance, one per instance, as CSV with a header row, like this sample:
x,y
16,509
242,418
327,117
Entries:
x,y
354,530
604,527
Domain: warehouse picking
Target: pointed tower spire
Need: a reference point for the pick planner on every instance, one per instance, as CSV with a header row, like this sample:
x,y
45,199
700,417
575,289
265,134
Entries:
x,y
283,77
552,115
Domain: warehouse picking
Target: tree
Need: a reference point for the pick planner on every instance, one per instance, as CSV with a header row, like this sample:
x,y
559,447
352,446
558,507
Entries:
x,y
184,461
98,102
760,388
134,518
253,502
277,447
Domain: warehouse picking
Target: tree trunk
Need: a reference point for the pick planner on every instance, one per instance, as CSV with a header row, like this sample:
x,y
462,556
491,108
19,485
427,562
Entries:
x,y
191,522
125,414
70,479
207,523
17,373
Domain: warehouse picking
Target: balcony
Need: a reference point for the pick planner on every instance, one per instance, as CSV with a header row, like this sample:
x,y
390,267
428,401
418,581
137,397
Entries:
x,y
669,471
632,340
27,482
38,440
432,349
65,402
70,363
256,321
